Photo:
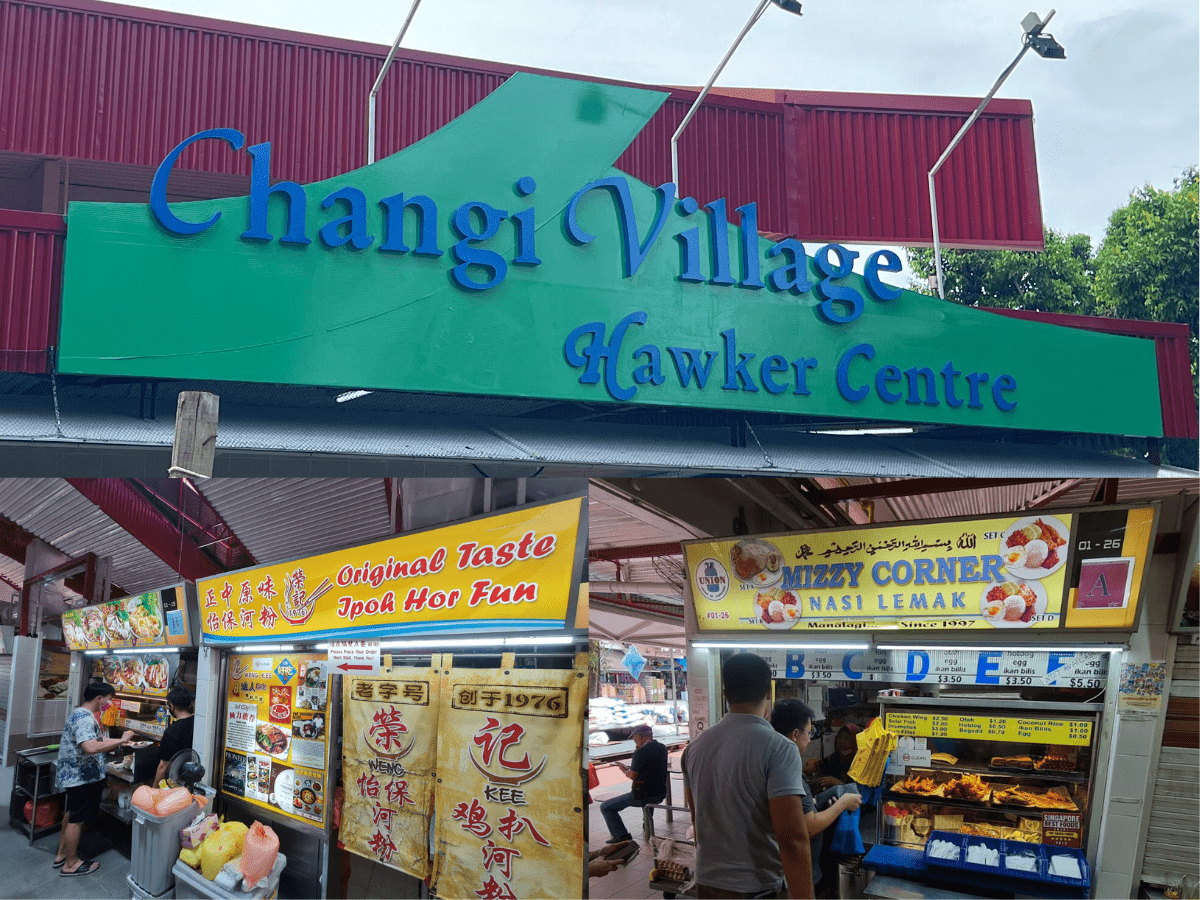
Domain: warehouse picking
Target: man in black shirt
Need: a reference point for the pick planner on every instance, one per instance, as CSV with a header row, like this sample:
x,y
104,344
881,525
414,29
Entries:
x,y
648,771
181,704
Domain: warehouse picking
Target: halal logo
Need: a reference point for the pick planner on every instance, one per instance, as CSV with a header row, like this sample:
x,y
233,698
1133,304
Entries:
x,y
712,579
285,670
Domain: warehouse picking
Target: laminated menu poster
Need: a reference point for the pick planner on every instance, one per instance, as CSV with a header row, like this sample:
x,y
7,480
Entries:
x,y
508,803
135,673
276,733
153,619
389,757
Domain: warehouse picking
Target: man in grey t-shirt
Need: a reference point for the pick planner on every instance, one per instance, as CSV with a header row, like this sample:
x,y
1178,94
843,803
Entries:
x,y
743,783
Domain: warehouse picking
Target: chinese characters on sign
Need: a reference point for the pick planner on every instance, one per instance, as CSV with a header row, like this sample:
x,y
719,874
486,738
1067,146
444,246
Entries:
x,y
510,814
389,746
510,570
276,733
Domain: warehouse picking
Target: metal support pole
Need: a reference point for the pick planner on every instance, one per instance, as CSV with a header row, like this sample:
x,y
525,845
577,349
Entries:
x,y
937,242
379,80
754,17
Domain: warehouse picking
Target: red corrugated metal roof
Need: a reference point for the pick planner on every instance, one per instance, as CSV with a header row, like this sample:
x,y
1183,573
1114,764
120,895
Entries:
x,y
1179,412
860,163
91,80
31,258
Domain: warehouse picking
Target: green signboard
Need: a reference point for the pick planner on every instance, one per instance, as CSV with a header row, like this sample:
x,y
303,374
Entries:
x,y
504,255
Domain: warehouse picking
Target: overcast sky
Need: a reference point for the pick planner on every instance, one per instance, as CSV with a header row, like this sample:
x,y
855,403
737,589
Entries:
x,y
1120,111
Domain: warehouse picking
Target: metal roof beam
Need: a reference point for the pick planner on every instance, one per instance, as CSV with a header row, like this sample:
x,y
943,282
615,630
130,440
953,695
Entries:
x,y
641,551
122,503
907,488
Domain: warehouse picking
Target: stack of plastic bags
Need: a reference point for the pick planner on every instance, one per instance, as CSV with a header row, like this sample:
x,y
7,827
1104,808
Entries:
x,y
874,746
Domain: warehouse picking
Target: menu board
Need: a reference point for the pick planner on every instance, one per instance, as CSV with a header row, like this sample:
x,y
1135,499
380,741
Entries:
x,y
147,674
154,619
509,817
1018,729
389,748
276,734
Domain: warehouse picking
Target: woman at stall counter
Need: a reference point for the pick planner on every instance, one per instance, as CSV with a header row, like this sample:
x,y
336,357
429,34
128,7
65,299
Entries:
x,y
181,704
834,769
794,720
80,773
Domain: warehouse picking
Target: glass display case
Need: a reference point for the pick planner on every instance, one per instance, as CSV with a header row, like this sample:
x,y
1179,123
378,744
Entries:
x,y
1018,770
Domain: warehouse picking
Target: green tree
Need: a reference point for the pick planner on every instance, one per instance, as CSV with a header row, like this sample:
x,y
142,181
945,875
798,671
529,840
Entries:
x,y
1148,265
1059,280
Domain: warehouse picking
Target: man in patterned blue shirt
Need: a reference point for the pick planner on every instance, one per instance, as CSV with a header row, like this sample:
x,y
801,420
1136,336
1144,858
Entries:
x,y
81,774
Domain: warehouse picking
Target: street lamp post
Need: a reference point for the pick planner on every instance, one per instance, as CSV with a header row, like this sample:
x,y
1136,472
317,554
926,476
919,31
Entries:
x,y
1045,46
791,6
379,80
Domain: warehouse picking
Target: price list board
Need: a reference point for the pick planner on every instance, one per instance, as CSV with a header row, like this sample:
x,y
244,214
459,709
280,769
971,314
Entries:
x,y
1070,732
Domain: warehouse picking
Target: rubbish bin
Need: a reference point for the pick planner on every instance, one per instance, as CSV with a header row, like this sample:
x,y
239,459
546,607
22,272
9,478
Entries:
x,y
156,845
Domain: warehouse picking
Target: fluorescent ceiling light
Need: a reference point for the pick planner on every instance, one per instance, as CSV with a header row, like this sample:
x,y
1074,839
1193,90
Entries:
x,y
865,431
1095,648
153,650
264,648
741,645
437,643
351,395
545,639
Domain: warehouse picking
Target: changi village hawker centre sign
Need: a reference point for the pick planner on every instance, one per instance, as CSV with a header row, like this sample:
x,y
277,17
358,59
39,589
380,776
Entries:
x,y
504,255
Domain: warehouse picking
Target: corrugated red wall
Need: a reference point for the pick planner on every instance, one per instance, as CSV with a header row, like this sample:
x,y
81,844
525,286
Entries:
x,y
97,81
31,260
858,170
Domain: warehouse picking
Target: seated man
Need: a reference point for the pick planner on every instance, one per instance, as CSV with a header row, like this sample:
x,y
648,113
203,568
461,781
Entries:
x,y
648,771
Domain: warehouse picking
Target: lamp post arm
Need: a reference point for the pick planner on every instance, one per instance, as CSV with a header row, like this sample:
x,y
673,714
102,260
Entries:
x,y
754,17
379,81
937,242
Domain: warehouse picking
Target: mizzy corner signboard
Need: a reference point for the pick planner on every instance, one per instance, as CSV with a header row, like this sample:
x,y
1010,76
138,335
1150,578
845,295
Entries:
x,y
510,571
1072,570
474,262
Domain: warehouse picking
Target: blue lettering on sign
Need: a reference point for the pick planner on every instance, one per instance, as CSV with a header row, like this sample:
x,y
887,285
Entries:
x,y
849,671
915,672
989,663
856,373
794,665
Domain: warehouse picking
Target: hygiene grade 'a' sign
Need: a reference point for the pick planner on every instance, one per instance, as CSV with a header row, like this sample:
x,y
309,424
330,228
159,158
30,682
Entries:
x,y
995,574
500,573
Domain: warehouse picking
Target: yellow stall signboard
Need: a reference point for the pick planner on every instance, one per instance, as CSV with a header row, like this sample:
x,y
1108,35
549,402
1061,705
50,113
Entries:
x,y
509,814
276,734
1018,729
389,755
511,571
990,574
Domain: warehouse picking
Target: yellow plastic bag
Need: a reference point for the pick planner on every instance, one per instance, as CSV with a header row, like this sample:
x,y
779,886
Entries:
x,y
220,848
874,746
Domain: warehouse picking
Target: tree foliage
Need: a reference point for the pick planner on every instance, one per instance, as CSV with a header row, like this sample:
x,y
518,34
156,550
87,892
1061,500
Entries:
x,y
1148,263
1058,280
1147,267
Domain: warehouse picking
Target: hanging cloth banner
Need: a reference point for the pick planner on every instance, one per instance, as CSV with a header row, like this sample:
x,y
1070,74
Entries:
x,y
389,748
509,804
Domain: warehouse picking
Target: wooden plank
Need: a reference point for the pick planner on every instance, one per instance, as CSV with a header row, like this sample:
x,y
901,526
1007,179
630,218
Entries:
x,y
195,447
